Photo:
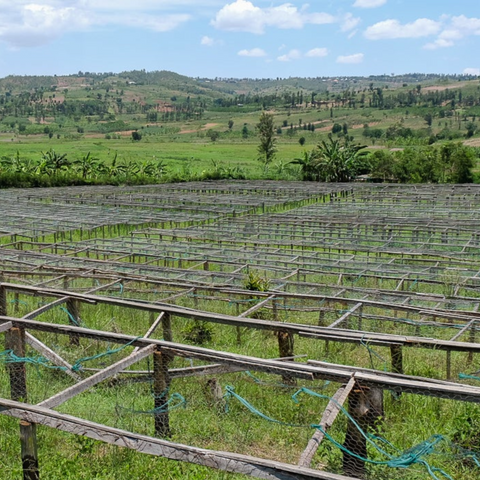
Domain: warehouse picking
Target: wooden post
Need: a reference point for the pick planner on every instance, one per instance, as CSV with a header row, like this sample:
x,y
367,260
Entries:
x,y
396,354
397,358
15,341
472,340
365,405
167,327
28,440
285,346
328,417
73,309
161,384
3,301
321,318
360,318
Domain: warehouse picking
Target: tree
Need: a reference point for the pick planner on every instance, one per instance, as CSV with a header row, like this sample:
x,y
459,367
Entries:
x,y
245,132
336,128
301,141
340,162
266,132
308,166
87,165
213,135
53,162
136,136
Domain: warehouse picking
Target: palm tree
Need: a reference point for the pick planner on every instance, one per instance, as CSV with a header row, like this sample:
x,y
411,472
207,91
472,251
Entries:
x,y
87,165
309,165
54,162
339,162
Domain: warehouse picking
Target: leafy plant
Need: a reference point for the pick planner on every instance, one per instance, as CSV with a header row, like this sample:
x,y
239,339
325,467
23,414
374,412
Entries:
x,y
255,282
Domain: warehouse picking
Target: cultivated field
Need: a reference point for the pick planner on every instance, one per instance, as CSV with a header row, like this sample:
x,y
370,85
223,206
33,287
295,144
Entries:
x,y
268,329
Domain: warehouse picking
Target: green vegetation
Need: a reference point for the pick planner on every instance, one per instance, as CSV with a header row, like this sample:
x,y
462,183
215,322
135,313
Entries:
x,y
161,127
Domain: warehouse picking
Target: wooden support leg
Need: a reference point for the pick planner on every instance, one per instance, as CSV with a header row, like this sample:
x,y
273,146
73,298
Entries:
x,y
3,301
28,440
161,385
365,405
15,341
472,340
285,346
167,327
73,309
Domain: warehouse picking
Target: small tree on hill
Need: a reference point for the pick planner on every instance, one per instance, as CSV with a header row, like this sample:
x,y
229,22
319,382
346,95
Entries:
x,y
266,132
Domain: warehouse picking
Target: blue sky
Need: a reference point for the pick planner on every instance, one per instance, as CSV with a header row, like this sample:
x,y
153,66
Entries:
x,y
240,38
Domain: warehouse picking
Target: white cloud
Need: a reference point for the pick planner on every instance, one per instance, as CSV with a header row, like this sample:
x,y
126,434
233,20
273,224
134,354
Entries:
x,y
472,71
369,3
254,52
27,23
241,15
34,24
317,52
244,16
388,29
349,22
351,59
207,41
455,29
438,43
291,55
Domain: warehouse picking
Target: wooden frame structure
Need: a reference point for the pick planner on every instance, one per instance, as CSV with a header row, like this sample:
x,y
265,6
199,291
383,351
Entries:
x,y
372,266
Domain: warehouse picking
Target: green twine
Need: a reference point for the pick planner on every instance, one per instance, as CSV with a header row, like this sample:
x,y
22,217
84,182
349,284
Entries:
x,y
406,459
371,353
166,407
70,316
465,376
230,392
77,366
19,301
8,356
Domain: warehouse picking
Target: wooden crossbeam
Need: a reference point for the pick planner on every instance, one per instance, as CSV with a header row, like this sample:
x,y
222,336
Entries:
x,y
89,382
45,308
345,315
152,328
256,307
51,355
225,461
5,326
328,417
295,370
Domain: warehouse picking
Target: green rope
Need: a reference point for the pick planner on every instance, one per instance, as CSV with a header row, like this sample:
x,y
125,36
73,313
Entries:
x,y
371,353
406,459
77,366
230,392
166,407
465,376
19,301
8,356
70,316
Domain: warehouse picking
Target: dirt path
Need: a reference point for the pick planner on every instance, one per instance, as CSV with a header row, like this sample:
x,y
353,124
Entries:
x,y
205,127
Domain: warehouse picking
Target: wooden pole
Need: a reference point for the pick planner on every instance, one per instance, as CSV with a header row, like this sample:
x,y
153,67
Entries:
x,y
285,346
3,301
15,341
73,308
328,417
161,384
28,440
365,405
